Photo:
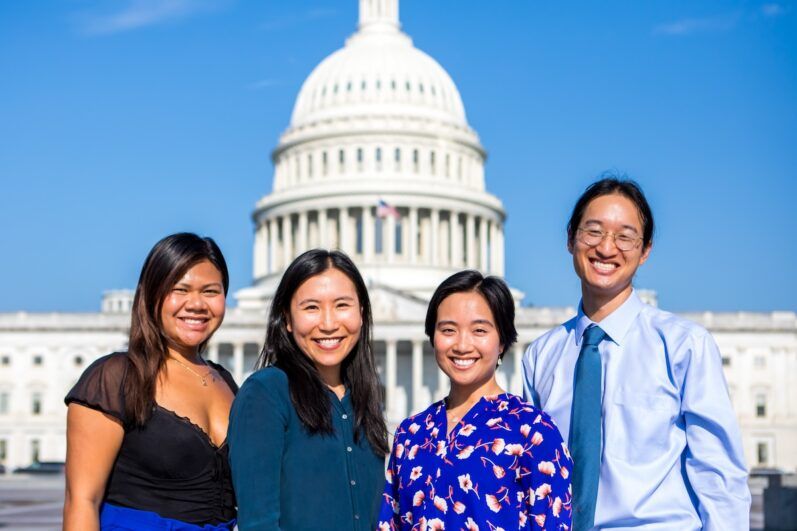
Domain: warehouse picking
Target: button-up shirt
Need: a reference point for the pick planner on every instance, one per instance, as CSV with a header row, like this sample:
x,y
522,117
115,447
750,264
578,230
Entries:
x,y
503,466
671,448
285,478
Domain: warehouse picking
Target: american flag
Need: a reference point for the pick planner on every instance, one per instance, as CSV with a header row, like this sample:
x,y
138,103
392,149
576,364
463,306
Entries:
x,y
383,210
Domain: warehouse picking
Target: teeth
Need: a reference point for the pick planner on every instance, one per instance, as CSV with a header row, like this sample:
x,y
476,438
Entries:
x,y
328,342
604,266
464,363
193,321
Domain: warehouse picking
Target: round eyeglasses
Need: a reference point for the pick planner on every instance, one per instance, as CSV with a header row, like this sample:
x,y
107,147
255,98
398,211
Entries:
x,y
594,237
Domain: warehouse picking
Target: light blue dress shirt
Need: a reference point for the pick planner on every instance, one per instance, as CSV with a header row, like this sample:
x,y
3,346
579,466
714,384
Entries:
x,y
671,449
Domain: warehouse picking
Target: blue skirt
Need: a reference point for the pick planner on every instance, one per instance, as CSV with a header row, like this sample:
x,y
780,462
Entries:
x,y
115,518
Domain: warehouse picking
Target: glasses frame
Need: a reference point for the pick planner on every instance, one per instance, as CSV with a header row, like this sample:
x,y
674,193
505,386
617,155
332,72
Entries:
x,y
604,233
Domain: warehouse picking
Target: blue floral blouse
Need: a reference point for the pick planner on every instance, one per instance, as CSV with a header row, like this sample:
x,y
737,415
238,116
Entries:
x,y
503,466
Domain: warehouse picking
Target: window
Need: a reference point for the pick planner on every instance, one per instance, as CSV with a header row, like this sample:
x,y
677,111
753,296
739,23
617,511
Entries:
x,y
309,165
433,162
35,450
5,400
759,362
760,405
378,243
378,158
36,403
359,236
397,158
726,361
38,360
448,165
398,236
5,361
762,453
324,163
341,159
415,162
3,450
362,85
360,158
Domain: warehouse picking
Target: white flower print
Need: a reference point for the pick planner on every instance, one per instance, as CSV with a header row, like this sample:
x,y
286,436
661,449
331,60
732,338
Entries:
x,y
546,467
524,430
498,446
465,483
465,452
416,472
441,504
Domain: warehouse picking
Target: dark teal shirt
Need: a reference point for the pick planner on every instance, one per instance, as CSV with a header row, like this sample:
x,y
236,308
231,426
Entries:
x,y
287,479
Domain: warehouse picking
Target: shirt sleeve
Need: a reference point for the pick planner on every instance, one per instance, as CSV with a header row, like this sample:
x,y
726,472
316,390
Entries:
x,y
548,484
101,386
389,518
529,392
714,460
256,438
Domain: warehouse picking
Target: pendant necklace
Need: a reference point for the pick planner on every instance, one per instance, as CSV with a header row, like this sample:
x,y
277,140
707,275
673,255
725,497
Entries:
x,y
203,378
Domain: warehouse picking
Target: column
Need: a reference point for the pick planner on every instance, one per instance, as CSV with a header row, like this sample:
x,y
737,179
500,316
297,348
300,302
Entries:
x,y
368,234
412,232
499,240
517,368
287,240
272,245
390,240
238,362
417,376
213,352
434,240
470,241
455,240
258,260
442,385
483,237
390,378
345,235
323,236
302,236
494,248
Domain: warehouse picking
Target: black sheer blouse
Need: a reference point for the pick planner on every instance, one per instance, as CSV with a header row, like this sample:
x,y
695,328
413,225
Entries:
x,y
169,466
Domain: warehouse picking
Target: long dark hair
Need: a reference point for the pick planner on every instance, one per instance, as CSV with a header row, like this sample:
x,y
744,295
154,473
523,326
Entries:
x,y
165,265
309,394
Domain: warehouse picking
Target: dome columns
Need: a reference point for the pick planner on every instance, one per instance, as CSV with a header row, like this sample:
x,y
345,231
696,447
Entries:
x,y
437,237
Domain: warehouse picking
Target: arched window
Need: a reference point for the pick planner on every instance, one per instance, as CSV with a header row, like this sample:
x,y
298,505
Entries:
x,y
415,161
341,160
378,158
324,163
397,158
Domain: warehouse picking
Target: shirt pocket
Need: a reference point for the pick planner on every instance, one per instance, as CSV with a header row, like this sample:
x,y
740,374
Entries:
x,y
639,425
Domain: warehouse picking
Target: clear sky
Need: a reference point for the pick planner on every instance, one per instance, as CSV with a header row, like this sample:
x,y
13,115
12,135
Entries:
x,y
122,121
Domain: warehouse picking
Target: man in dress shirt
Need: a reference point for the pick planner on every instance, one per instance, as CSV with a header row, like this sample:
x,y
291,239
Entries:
x,y
667,448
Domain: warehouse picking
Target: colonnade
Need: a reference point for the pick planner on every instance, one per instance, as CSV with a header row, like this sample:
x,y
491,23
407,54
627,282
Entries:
x,y
416,235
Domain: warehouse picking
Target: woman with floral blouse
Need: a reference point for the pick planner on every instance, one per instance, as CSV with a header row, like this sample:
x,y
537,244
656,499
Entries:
x,y
481,459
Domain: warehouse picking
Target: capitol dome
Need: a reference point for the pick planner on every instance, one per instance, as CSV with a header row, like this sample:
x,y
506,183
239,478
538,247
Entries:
x,y
380,162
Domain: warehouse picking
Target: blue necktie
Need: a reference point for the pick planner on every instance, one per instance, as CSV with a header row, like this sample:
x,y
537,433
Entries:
x,y
585,429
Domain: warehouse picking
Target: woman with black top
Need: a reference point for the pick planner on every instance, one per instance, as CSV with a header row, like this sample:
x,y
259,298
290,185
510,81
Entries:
x,y
147,428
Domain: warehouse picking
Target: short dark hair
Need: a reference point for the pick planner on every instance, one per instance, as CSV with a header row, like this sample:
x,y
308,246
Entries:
x,y
495,292
165,265
308,392
608,184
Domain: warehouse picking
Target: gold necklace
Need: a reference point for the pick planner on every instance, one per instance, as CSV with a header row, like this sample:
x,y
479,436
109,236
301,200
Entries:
x,y
203,378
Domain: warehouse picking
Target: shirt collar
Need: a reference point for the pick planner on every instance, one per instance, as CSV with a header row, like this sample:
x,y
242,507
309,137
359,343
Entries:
x,y
616,324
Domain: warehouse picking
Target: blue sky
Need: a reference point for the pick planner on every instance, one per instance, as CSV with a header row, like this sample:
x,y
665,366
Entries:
x,y
122,121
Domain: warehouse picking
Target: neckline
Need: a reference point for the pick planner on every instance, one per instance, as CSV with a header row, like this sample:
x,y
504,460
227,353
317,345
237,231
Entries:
x,y
186,420
476,408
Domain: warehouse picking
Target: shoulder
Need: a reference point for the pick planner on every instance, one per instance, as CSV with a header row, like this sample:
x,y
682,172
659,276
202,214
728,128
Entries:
x,y
530,417
412,423
554,336
225,374
270,383
110,368
675,331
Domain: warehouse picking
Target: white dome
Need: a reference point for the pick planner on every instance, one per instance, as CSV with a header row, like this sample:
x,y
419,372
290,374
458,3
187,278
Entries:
x,y
378,73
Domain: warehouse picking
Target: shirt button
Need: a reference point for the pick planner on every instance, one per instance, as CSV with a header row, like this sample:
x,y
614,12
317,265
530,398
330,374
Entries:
x,y
344,416
356,516
353,482
348,448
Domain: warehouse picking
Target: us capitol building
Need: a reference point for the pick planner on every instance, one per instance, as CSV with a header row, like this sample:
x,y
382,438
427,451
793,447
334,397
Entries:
x,y
379,161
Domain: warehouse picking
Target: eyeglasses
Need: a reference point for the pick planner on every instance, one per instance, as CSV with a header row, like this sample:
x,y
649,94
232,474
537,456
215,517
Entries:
x,y
594,237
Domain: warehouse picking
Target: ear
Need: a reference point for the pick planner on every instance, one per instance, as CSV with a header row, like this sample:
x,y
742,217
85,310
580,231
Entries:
x,y
288,324
645,253
569,246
